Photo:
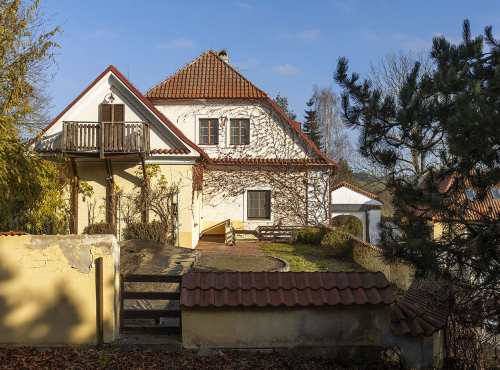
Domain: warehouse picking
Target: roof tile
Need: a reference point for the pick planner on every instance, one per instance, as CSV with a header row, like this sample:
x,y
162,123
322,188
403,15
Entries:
x,y
262,289
206,77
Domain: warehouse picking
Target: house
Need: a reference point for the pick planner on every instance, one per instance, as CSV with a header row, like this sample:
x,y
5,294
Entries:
x,y
348,199
467,204
236,156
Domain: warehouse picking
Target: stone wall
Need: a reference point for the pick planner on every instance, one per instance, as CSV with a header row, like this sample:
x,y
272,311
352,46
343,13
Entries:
x,y
370,257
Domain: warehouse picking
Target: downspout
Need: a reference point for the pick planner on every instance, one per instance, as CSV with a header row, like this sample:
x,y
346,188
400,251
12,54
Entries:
x,y
177,216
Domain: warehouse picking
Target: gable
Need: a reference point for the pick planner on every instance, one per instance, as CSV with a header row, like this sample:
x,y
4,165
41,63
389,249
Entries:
x,y
86,108
345,193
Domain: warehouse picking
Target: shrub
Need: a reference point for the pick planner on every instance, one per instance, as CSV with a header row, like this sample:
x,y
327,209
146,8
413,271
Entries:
x,y
155,230
338,245
309,235
350,224
100,228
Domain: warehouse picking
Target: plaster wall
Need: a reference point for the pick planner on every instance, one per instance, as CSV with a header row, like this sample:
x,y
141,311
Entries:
x,y
48,289
278,327
126,178
270,135
345,195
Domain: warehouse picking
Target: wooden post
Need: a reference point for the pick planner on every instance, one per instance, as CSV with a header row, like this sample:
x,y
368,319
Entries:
x,y
111,192
75,187
99,300
145,192
101,140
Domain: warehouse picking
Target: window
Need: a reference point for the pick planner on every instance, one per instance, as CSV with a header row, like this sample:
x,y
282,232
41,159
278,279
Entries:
x,y
209,131
112,112
495,193
259,204
240,131
471,194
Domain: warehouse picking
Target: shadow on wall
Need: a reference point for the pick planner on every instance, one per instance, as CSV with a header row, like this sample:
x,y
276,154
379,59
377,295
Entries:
x,y
50,320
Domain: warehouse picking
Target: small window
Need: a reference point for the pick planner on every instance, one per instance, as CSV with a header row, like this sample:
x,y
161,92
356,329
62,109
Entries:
x,y
209,131
495,193
112,112
259,204
471,194
240,131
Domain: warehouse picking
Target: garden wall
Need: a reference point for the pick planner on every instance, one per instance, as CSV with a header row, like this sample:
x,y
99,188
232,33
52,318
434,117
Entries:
x,y
48,289
370,257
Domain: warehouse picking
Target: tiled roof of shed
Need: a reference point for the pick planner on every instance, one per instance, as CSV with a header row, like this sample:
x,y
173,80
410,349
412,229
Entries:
x,y
263,289
355,188
420,312
13,233
207,77
270,161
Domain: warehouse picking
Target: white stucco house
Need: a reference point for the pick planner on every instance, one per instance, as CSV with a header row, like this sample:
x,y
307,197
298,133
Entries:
x,y
238,157
350,200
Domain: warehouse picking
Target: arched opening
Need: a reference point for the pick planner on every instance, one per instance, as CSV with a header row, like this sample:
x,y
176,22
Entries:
x,y
352,224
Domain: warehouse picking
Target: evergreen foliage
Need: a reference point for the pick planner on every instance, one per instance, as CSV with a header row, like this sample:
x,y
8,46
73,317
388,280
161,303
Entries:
x,y
282,103
310,127
457,105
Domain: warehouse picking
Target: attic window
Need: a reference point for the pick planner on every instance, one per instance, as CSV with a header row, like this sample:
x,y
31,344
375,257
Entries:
x,y
240,131
209,131
471,194
495,193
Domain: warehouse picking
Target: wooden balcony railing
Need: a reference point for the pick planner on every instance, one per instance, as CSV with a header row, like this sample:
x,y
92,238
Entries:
x,y
106,137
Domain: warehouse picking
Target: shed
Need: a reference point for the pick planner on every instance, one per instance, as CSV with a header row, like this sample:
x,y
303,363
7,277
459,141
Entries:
x,y
347,310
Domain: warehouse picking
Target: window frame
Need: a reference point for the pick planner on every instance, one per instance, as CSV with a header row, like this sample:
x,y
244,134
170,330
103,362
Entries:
x,y
493,195
473,192
270,205
217,130
239,129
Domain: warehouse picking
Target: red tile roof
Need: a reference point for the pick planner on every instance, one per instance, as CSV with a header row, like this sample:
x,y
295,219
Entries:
x,y
421,311
366,244
270,161
170,151
206,77
471,210
355,188
13,233
50,150
290,289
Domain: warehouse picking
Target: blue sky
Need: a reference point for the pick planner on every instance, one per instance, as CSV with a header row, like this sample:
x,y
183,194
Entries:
x,y
281,46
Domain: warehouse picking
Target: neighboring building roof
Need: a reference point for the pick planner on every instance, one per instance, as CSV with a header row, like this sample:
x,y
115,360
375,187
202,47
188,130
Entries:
x,y
356,189
136,92
475,209
289,289
206,77
270,161
420,312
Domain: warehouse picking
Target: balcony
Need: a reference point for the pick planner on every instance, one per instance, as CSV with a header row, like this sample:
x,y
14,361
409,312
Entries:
x,y
105,139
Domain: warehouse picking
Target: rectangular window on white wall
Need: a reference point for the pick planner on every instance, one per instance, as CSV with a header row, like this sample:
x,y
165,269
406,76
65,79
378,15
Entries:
x,y
240,131
209,131
259,204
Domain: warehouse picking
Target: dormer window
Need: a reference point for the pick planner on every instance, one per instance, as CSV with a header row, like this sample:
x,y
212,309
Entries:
x,y
471,194
495,193
209,131
240,131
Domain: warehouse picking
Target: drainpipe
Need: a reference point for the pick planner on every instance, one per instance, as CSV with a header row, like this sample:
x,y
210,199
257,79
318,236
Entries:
x,y
178,211
120,220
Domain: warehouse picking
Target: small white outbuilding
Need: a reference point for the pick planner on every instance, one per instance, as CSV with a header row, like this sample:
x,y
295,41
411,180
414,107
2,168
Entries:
x,y
350,200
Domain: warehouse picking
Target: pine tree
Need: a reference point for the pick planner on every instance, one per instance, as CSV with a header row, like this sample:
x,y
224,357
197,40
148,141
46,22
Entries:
x,y
310,126
282,103
458,106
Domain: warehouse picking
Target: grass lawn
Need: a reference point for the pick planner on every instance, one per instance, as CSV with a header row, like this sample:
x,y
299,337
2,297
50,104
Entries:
x,y
303,257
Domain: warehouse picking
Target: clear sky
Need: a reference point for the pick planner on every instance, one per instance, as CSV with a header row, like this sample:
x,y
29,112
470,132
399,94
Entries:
x,y
281,46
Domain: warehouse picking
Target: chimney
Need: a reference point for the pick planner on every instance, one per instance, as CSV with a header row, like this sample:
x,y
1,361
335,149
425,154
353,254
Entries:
x,y
223,55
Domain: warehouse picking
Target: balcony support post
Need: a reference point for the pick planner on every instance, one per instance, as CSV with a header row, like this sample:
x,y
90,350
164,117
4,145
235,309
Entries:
x,y
75,187
145,191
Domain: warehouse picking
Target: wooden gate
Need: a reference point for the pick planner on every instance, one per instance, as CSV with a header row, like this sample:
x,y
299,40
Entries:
x,y
149,321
